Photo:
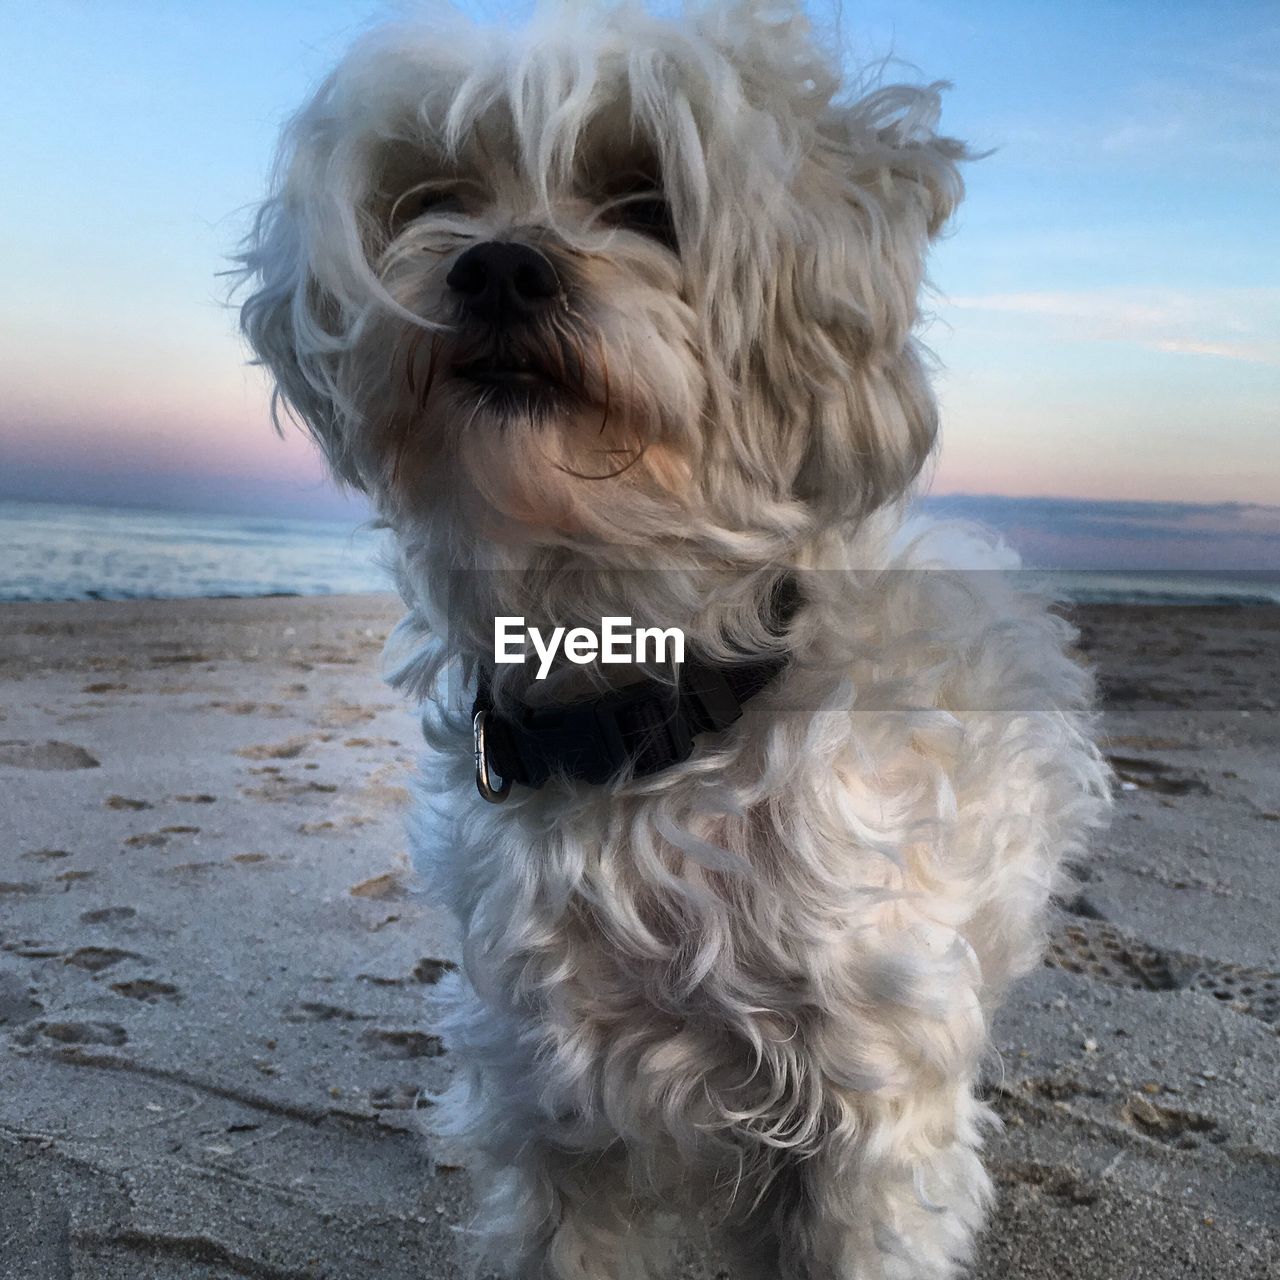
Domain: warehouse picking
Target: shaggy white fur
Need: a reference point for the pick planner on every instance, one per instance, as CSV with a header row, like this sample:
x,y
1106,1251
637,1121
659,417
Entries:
x,y
755,986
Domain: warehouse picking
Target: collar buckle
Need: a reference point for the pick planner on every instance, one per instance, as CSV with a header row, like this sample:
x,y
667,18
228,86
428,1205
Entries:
x,y
484,779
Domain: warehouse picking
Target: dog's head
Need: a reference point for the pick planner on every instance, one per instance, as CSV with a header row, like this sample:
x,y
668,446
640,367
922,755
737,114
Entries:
x,y
613,281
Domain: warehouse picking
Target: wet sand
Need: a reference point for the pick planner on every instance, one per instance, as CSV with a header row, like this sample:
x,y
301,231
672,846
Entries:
x,y
214,1046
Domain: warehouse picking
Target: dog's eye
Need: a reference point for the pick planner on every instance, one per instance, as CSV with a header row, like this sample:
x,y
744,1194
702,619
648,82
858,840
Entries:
x,y
417,202
648,214
439,202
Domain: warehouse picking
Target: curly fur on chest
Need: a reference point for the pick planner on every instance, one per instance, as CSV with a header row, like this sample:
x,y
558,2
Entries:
x,y
790,945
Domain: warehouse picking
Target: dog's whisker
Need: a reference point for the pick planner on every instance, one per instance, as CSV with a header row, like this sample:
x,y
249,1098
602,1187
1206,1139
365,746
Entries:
x,y
573,340
604,376
432,360
608,475
414,343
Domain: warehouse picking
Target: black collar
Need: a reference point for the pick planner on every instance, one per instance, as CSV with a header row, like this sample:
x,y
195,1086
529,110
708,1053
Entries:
x,y
640,728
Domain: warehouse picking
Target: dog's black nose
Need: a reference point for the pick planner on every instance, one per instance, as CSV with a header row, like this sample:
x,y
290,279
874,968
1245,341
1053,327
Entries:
x,y
503,282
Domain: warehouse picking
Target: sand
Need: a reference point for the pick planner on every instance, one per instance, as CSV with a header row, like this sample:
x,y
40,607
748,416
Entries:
x,y
214,1043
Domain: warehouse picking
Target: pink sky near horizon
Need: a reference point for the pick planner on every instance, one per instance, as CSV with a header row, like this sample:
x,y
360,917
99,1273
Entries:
x,y
210,420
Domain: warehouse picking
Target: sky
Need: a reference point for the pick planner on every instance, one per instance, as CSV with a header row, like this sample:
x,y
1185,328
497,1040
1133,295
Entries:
x,y
1107,307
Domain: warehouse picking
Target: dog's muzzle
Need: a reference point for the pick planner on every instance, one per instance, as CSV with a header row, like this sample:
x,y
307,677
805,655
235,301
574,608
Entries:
x,y
509,348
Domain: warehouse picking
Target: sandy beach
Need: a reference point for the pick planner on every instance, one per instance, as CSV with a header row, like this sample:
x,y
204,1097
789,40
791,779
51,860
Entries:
x,y
214,1044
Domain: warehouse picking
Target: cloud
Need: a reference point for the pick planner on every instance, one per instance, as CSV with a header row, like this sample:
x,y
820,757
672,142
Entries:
x,y
1226,324
1248,352
1143,135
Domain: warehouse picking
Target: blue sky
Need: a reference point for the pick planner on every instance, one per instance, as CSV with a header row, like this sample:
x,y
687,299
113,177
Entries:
x,y
1109,310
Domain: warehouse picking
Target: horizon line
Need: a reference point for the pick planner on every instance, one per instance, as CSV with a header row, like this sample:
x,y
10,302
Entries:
x,y
347,494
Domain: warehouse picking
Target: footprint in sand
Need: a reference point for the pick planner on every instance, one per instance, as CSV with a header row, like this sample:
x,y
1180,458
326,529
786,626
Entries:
x,y
1061,1184
290,749
280,788
1094,948
147,989
158,839
274,709
1169,1124
389,885
147,840
47,756
95,959
349,822
124,802
1140,773
111,1033
14,888
32,949
1244,989
345,715
399,1097
1100,950
314,1011
430,970
402,1044
107,915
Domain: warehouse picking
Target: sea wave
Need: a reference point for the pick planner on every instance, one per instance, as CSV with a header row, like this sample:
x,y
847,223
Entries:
x,y
53,552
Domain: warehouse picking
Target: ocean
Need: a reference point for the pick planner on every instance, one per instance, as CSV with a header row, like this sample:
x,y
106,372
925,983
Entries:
x,y
54,552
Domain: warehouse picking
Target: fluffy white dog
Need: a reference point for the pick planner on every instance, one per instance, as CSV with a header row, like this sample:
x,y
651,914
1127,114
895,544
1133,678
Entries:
x,y
614,316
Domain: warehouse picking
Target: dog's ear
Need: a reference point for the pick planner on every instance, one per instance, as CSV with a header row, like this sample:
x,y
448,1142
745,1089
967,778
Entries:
x,y
306,260
288,320
270,323
877,187
894,182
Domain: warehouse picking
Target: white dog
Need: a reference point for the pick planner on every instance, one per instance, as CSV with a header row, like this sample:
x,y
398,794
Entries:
x,y
614,316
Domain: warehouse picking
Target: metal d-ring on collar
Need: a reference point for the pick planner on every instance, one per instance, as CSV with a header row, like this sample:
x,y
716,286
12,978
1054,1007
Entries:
x,y
484,779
